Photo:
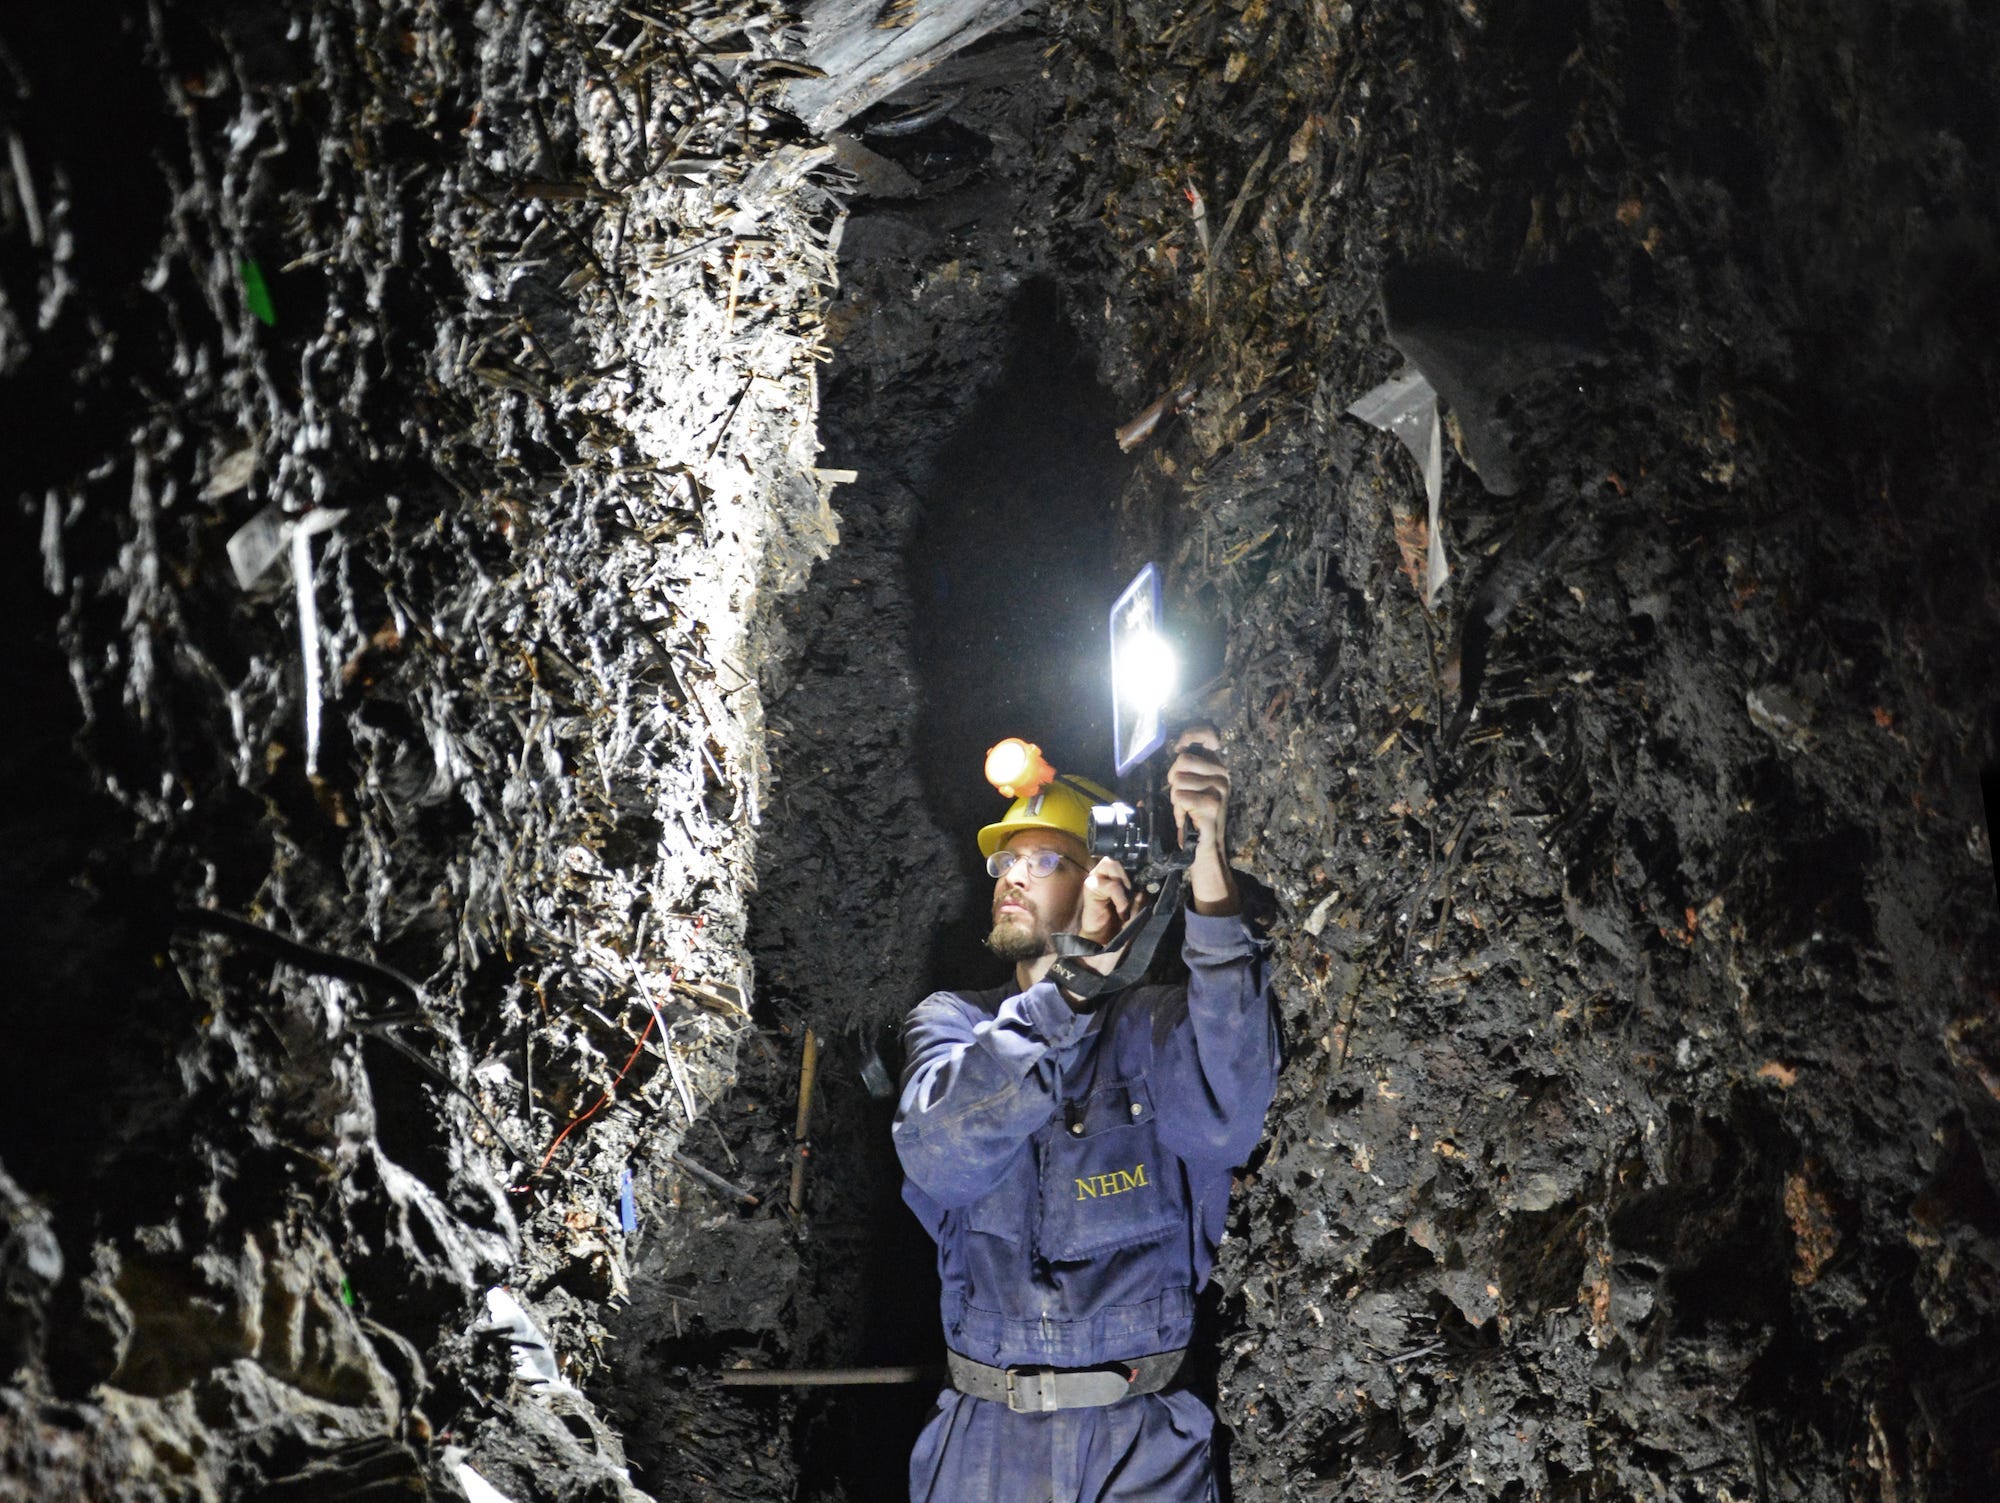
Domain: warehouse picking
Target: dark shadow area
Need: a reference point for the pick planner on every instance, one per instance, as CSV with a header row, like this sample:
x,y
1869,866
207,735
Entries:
x,y
876,1268
1012,569
1989,782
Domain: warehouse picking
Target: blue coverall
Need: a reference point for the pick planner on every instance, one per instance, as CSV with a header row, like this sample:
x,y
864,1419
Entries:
x,y
1074,1170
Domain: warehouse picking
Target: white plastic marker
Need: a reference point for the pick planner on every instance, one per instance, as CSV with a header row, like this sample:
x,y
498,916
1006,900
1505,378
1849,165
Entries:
x,y
477,1488
1406,406
253,548
534,1362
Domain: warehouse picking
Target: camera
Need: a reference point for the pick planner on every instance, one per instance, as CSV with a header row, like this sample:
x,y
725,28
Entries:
x,y
1141,838
1122,833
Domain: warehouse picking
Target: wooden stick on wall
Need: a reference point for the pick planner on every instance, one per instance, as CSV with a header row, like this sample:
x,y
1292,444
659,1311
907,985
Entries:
x,y
808,1071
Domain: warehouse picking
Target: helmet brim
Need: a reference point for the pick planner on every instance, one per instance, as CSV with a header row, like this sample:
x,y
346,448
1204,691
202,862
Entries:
x,y
995,835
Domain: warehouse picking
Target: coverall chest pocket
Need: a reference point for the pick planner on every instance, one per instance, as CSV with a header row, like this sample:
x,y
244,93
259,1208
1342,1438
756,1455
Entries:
x,y
1105,1180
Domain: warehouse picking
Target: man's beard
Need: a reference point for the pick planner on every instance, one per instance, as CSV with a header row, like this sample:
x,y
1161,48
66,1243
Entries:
x,y
1019,938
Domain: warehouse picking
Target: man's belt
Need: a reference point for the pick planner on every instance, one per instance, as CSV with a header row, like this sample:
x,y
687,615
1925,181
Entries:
x,y
1039,1390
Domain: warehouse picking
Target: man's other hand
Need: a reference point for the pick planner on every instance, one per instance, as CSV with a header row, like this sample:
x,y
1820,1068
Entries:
x,y
1107,902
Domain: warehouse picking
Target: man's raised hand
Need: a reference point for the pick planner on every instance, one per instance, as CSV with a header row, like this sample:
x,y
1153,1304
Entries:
x,y
1198,786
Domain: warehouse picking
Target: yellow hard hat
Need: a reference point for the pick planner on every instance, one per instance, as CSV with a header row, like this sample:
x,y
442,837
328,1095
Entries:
x,y
1063,805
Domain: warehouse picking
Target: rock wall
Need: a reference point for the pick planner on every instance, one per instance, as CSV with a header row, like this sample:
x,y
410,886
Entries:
x,y
412,426
1636,1137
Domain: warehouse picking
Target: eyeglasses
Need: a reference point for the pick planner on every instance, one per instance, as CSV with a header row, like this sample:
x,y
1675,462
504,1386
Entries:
x,y
1041,863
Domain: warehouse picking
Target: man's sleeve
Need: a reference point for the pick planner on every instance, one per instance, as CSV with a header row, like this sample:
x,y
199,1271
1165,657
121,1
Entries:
x,y
1215,1058
975,1088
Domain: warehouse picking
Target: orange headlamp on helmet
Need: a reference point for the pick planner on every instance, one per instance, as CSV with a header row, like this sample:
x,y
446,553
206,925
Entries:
x,y
1017,769
1044,799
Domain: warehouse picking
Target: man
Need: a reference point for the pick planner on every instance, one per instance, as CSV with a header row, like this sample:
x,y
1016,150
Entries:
x,y
1073,1163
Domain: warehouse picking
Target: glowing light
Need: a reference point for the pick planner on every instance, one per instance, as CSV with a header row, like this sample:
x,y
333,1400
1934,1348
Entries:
x,y
1149,673
1016,768
1143,672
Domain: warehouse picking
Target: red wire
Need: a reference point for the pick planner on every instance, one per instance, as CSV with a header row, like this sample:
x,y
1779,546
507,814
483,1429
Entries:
x,y
578,1120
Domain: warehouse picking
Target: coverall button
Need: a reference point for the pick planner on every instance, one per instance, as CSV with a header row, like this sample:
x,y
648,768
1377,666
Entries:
x,y
1137,1109
1076,1129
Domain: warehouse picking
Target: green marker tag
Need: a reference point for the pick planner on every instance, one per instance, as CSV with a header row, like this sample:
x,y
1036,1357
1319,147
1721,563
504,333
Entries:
x,y
347,1294
256,293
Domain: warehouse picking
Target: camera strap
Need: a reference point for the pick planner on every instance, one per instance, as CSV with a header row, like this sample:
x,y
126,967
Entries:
x,y
1142,935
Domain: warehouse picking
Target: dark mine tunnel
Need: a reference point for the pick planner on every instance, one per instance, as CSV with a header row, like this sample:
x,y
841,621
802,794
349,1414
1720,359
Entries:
x,y
525,518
